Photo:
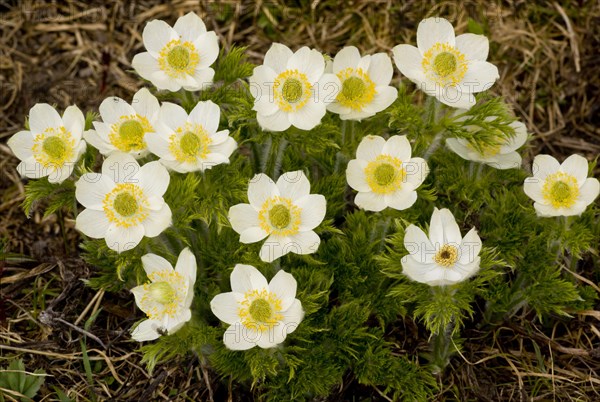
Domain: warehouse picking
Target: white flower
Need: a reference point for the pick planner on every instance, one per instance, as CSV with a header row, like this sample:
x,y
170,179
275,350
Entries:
x,y
365,83
259,313
447,67
443,258
186,143
124,203
52,145
384,174
178,57
285,211
561,189
502,156
291,89
167,298
125,127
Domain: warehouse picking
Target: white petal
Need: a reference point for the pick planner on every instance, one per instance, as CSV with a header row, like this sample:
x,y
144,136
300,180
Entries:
x,y
93,138
456,145
381,69
303,243
544,165
275,247
91,189
544,210
470,248
313,208
146,104
408,59
59,174
418,245
225,149
260,189
401,200
30,168
384,97
370,147
326,89
474,47
480,76
278,121
533,188
272,337
74,121
186,265
153,178
147,330
577,166
172,116
202,78
92,223
418,271
146,66
434,30
309,116
157,221
348,57
190,27
519,138
261,88
355,175
453,97
244,218
42,116
20,144
238,337
370,201
163,82
451,229
122,239
252,235
338,108
159,146
589,191
207,45
156,35
113,108
207,115
398,146
463,271
245,278
173,324
277,57
309,62
284,286
511,160
293,316
155,263
226,305
294,185
436,229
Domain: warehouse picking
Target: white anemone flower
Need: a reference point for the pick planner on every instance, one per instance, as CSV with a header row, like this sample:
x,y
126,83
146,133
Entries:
x,y
52,145
291,89
187,143
384,174
125,127
178,57
450,68
444,257
124,203
365,81
561,189
501,156
167,297
285,211
259,313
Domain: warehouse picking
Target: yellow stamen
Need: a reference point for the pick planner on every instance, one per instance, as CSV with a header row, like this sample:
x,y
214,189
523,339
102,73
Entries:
x,y
127,134
279,216
561,190
358,89
178,58
189,143
447,256
444,64
164,294
126,205
260,310
53,147
291,90
385,174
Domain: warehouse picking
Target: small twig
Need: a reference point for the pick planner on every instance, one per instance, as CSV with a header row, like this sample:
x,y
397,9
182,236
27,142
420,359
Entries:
x,y
81,330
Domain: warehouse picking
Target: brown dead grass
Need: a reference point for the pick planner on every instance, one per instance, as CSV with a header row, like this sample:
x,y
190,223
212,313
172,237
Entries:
x,y
79,52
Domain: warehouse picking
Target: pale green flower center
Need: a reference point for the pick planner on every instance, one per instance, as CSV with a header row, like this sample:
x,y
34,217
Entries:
x,y
447,256
54,147
384,174
353,88
280,216
292,90
125,204
560,191
131,133
178,57
161,292
260,310
445,64
190,144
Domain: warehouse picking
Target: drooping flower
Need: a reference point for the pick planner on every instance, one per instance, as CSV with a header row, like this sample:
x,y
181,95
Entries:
x,y
365,84
125,127
444,257
178,57
384,174
291,89
502,156
187,143
561,189
285,211
450,68
124,203
167,297
52,145
259,313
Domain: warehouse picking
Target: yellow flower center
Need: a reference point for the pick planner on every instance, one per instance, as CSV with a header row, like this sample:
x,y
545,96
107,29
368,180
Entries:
x,y
178,58
385,174
53,147
444,64
189,143
260,310
561,190
127,134
126,205
358,89
164,294
291,90
446,256
279,216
